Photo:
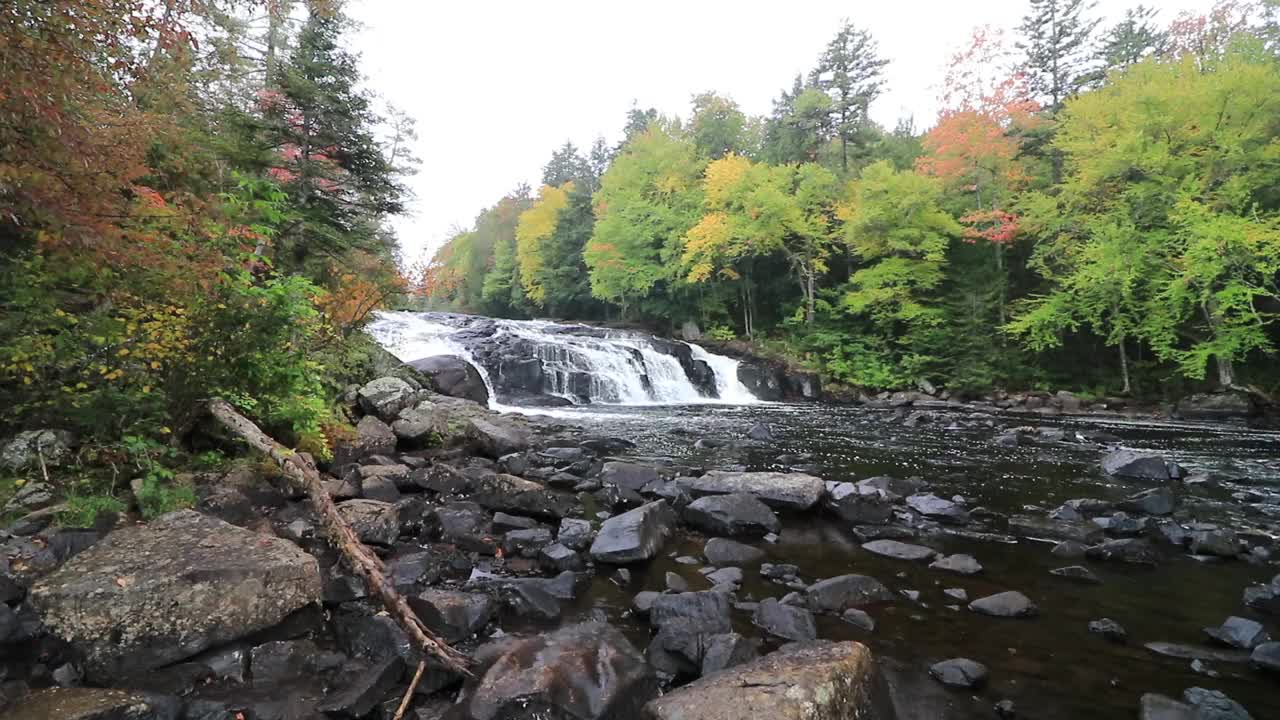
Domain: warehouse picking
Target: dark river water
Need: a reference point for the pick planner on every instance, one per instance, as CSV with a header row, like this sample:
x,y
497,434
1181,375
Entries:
x,y
1050,666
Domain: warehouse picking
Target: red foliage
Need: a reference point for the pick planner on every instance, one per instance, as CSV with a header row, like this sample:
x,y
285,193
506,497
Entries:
x,y
994,226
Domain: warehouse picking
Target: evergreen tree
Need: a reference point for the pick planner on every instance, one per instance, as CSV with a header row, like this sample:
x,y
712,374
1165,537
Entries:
x,y
851,72
1056,35
1132,39
566,165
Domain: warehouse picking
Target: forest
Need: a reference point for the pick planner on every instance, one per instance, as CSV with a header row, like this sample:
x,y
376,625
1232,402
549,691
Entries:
x,y
1094,208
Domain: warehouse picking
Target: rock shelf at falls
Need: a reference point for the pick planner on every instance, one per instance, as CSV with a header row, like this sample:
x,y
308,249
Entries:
x,y
913,560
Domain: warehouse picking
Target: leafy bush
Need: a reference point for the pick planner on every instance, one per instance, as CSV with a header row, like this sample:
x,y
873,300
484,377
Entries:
x,y
720,333
82,511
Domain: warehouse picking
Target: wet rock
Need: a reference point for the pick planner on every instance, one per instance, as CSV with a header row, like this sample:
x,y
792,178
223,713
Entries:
x,y
1238,632
675,583
1139,465
722,551
141,597
1156,501
894,487
727,650
1120,525
1008,604
1129,550
1069,549
725,576
899,550
778,570
94,704
859,619
959,564
631,476
1214,705
937,508
453,376
634,535
1266,656
495,438
558,558
1264,598
643,601
518,496
575,534
588,671
365,690
451,614
861,506
782,491
283,660
504,523
373,437
698,612
802,681
1197,652
29,448
1110,629
30,497
785,621
840,593
1037,527
1221,542
1078,573
1217,406
959,673
760,433
466,525
380,488
385,397
526,543
374,522
1169,531
418,427
1159,707
738,514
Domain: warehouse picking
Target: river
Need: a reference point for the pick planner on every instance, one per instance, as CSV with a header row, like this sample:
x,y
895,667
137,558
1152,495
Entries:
x,y
1050,666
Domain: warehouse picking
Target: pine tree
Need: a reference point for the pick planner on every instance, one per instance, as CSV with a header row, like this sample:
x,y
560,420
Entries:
x,y
566,165
1056,42
1131,39
851,72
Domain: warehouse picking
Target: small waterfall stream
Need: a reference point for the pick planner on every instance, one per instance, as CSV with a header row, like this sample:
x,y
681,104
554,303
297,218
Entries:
x,y
578,364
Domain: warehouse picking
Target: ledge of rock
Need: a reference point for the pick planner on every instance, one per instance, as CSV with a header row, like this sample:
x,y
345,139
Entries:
x,y
802,681
93,704
150,595
781,491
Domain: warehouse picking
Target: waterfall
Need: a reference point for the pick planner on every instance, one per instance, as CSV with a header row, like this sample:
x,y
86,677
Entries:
x,y
575,364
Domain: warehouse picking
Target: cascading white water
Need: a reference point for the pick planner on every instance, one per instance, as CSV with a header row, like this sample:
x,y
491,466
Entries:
x,y
614,367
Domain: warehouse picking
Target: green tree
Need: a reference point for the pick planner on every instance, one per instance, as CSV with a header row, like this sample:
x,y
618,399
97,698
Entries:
x,y
1056,40
717,126
1132,39
850,71
566,165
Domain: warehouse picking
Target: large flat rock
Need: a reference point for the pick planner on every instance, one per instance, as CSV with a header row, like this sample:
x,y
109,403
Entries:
x,y
634,535
802,681
150,595
781,491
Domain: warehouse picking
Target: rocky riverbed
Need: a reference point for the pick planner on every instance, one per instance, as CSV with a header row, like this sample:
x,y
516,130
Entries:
x,y
683,562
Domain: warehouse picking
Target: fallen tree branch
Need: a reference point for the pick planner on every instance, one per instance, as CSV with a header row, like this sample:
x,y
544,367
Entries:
x,y
408,694
367,565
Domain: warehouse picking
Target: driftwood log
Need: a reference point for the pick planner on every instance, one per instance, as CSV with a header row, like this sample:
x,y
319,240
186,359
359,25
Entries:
x,y
361,560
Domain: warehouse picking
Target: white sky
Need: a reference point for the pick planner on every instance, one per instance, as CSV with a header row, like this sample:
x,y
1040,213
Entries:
x,y
496,86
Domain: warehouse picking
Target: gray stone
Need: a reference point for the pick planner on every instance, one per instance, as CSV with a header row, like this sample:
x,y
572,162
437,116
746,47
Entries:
x,y
1128,550
859,619
495,438
840,593
959,673
575,534
727,650
419,426
785,621
935,507
1038,527
385,397
453,376
725,576
634,535
1078,573
1110,629
147,596
588,671
1008,604
374,522
959,595
738,514
1156,501
1220,542
1138,465
722,551
1069,549
94,704
802,681
1266,656
631,476
1264,598
899,550
526,543
1159,707
1197,652
959,564
451,614
782,491
1214,705
26,449
558,558
29,497
675,583
704,612
373,437
643,601
1238,632
861,506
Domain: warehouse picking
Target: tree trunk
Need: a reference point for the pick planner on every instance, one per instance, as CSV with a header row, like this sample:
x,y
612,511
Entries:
x,y
367,565
1124,369
1226,372
808,294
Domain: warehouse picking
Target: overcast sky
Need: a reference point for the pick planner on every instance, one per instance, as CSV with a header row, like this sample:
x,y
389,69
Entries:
x,y
496,86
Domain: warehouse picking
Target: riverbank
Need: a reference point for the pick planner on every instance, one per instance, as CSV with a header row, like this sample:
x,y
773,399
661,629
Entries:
x,y
704,536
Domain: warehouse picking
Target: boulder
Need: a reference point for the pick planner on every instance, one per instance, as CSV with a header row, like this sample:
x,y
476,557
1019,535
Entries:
x,y
1220,542
1037,527
526,543
959,673
766,383
1156,501
801,681
146,596
588,671
631,476
932,506
959,564
1266,656
1238,632
374,522
495,438
694,612
1129,550
1264,597
858,504
721,552
518,496
1008,604
451,614
840,593
785,621
899,550
739,514
453,376
760,433
781,491
558,558
418,426
94,704
372,437
575,534
634,535
726,650
1110,629
1139,465
1218,406
385,397
1078,573
1214,705
1159,707
28,448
